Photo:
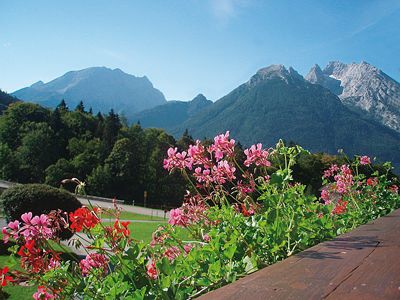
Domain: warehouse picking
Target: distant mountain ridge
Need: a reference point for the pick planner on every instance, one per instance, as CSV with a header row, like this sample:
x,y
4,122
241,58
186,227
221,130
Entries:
x,y
363,88
98,87
172,113
279,103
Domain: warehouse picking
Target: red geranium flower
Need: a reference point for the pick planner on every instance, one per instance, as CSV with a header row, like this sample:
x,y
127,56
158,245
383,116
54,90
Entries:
x,y
340,207
83,218
372,181
3,276
122,227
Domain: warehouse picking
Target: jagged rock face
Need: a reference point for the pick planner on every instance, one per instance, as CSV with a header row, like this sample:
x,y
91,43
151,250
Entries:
x,y
317,76
363,88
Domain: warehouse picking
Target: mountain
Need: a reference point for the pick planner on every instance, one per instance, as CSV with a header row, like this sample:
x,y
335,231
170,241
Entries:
x,y
172,113
98,87
6,100
279,103
363,88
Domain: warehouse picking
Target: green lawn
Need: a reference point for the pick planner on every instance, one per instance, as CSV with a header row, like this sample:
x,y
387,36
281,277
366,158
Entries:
x,y
125,215
16,292
143,230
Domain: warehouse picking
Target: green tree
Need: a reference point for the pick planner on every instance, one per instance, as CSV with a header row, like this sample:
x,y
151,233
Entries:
x,y
15,118
8,163
36,153
112,126
59,171
62,106
80,107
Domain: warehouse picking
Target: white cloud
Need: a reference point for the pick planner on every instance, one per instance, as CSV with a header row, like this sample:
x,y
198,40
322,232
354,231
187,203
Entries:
x,y
224,10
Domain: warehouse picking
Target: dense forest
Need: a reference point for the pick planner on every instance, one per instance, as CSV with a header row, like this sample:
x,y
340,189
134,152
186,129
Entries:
x,y
38,145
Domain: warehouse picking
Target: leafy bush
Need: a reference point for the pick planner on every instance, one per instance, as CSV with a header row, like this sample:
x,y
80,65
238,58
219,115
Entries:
x,y
38,199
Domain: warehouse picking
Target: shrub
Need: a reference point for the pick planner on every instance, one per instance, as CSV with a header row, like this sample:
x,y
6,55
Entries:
x,y
38,199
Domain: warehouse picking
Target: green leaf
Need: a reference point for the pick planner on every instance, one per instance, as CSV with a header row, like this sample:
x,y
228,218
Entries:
x,y
230,251
165,266
214,268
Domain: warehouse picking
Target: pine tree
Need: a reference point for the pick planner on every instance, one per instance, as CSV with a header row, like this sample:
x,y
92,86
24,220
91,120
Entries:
x,y
112,125
80,107
62,106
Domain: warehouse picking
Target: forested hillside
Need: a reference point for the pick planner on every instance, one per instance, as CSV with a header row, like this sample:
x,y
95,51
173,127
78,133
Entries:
x,y
5,100
42,145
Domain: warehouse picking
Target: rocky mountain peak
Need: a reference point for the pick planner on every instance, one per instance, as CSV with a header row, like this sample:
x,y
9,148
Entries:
x,y
334,67
315,74
363,88
199,98
275,72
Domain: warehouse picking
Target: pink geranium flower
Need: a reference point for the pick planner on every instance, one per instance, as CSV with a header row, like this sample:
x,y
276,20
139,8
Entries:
x,y
256,155
222,146
93,261
172,252
177,217
365,160
42,294
325,196
223,172
36,227
177,160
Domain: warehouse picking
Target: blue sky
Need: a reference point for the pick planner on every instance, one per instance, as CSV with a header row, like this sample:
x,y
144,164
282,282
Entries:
x,y
188,47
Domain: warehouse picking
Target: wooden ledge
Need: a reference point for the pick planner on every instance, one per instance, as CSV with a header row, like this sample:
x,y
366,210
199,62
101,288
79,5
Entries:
x,y
361,264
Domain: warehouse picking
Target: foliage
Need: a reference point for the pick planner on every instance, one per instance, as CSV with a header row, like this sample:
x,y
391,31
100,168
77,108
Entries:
x,y
5,100
38,145
239,217
38,199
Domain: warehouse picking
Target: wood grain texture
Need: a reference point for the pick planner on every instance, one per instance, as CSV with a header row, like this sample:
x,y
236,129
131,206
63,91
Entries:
x,y
361,264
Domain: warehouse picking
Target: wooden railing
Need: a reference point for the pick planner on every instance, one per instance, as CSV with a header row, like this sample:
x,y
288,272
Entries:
x,y
362,264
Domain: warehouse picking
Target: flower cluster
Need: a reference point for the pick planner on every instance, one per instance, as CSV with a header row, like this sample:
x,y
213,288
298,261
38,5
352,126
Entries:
x,y
83,218
121,228
215,167
223,146
365,160
340,207
94,261
151,269
43,294
30,234
256,155
193,211
4,278
32,228
177,160
343,182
